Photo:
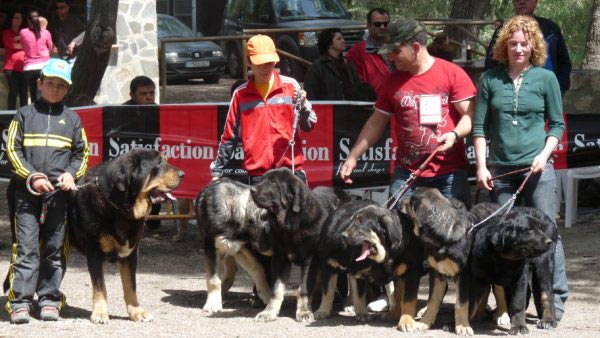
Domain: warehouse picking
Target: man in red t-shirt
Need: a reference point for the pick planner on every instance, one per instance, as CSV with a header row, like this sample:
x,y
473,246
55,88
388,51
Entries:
x,y
432,103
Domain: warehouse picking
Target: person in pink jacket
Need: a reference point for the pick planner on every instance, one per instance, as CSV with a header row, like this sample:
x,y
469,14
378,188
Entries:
x,y
37,44
13,65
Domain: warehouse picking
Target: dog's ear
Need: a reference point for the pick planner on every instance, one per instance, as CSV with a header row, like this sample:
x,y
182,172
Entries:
x,y
406,209
498,237
299,191
392,228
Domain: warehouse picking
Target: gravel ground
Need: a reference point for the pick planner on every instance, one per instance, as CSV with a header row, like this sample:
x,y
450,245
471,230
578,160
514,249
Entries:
x,y
172,287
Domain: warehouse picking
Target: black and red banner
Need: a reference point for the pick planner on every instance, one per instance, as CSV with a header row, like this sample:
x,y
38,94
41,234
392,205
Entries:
x,y
189,134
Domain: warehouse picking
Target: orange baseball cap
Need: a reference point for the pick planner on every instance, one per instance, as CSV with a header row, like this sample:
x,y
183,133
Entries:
x,y
261,49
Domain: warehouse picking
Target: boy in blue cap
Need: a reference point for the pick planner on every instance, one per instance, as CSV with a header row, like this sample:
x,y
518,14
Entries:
x,y
48,150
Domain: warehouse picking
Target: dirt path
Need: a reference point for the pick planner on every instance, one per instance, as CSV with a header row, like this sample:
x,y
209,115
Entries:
x,y
171,286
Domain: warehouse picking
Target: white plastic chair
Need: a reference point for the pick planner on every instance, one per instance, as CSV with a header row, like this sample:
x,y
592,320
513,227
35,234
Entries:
x,y
571,188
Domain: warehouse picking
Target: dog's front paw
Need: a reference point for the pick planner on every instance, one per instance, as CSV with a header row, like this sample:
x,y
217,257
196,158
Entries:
x,y
212,306
502,319
99,317
320,314
462,330
304,316
518,330
265,317
406,324
547,324
363,317
420,326
139,315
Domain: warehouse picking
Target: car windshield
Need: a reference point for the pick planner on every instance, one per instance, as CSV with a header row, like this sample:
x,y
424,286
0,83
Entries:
x,y
169,27
309,9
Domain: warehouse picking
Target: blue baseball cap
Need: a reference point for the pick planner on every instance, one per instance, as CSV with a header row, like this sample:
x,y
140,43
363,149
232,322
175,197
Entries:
x,y
58,68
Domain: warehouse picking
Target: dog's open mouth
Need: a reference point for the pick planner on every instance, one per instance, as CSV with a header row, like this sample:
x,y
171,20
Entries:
x,y
157,196
367,250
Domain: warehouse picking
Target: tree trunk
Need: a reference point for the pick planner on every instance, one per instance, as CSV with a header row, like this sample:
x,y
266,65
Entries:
x,y
93,55
591,57
467,9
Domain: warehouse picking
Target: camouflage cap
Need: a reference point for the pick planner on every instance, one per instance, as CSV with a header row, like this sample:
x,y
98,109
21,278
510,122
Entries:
x,y
398,32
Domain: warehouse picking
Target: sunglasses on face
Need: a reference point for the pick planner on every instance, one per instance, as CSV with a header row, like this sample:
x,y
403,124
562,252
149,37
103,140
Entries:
x,y
61,7
379,24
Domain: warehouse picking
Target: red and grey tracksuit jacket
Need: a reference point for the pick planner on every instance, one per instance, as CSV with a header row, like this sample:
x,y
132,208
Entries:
x,y
263,127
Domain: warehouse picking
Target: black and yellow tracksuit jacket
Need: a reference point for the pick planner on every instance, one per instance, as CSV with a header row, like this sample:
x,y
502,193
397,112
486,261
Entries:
x,y
47,138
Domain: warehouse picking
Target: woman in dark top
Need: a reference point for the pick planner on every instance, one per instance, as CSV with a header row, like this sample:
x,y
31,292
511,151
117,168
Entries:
x,y
331,77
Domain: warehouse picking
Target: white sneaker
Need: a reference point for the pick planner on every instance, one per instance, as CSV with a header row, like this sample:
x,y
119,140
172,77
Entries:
x,y
379,305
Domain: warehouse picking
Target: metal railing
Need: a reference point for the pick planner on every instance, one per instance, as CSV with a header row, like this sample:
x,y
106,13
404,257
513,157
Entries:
x,y
248,33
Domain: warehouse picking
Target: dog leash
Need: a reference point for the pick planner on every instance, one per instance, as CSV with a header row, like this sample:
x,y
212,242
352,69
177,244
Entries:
x,y
292,142
44,211
510,203
500,176
410,181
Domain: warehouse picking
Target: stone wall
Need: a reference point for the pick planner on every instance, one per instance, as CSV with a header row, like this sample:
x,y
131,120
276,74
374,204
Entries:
x,y
135,53
584,95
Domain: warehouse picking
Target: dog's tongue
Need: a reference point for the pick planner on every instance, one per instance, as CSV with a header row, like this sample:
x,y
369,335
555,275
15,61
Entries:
x,y
159,196
366,251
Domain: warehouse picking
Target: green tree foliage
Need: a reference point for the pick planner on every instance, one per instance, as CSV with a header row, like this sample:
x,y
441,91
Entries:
x,y
571,15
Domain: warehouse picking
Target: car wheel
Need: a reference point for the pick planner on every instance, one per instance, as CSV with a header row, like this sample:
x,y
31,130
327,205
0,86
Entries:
x,y
212,78
291,67
234,63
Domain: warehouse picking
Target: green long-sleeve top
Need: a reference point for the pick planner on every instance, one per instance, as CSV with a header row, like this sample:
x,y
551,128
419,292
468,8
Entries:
x,y
515,122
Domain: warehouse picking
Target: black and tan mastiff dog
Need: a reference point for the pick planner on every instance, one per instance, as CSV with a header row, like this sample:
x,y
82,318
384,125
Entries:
x,y
443,227
234,230
106,219
364,241
297,216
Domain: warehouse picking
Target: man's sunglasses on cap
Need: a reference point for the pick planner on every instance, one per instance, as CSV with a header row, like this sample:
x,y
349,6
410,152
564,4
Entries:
x,y
380,23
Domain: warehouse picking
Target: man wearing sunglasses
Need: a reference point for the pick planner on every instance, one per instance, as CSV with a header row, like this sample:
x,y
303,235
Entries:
x,y
372,67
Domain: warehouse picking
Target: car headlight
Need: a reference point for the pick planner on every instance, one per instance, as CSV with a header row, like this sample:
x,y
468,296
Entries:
x,y
217,53
307,39
171,55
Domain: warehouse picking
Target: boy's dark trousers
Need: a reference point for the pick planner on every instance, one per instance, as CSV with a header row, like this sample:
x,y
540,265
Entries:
x,y
28,273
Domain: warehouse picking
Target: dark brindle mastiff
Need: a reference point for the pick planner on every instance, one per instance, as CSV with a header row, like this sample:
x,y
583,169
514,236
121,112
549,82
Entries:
x,y
106,219
297,216
234,228
506,249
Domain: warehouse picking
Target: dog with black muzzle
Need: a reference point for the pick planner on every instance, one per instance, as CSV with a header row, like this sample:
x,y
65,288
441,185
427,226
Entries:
x,y
297,216
506,250
361,239
443,226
